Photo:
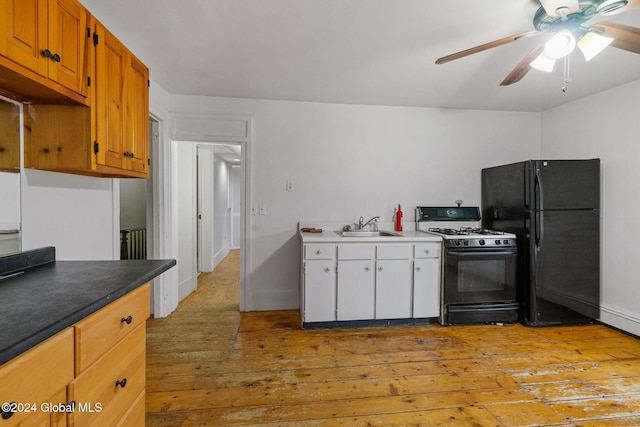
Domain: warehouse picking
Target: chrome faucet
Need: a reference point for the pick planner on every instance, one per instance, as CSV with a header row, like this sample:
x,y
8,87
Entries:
x,y
362,225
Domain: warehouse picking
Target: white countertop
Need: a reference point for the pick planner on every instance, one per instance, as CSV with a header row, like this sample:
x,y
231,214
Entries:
x,y
329,234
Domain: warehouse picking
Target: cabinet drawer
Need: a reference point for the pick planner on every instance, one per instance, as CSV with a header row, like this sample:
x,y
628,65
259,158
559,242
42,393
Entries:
x,y
355,251
427,250
392,251
98,384
319,251
100,331
37,375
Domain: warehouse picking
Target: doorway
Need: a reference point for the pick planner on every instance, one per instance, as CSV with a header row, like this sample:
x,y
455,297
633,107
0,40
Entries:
x,y
209,183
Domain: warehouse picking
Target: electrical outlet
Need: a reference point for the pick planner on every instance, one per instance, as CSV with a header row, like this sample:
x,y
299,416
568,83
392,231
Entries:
x,y
291,186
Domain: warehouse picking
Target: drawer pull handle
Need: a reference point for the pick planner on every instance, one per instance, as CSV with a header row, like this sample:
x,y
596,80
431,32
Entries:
x,y
318,252
8,413
427,251
122,383
127,320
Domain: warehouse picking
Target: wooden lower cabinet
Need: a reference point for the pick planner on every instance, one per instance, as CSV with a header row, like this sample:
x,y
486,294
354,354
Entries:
x,y
36,377
110,386
90,374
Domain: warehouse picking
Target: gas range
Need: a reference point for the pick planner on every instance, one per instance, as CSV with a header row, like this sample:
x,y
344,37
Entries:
x,y
460,227
478,266
473,237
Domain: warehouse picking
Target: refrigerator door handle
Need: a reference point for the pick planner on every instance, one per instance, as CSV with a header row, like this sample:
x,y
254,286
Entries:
x,y
539,229
538,193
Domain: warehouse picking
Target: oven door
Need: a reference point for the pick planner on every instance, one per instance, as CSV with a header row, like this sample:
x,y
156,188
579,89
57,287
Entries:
x,y
479,275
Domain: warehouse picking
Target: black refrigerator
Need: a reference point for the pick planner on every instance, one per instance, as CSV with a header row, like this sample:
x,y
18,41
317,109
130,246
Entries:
x,y
553,207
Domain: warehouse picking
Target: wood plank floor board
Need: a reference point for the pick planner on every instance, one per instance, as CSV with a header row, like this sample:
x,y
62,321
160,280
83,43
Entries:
x,y
209,365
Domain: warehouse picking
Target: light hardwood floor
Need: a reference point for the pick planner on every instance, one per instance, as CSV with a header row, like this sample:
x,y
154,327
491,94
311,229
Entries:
x,y
209,365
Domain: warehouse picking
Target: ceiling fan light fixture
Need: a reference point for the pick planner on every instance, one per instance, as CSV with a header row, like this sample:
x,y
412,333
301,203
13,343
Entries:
x,y
592,44
609,6
543,63
560,45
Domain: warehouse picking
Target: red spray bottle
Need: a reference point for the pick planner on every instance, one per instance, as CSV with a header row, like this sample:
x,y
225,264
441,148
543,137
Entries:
x,y
399,218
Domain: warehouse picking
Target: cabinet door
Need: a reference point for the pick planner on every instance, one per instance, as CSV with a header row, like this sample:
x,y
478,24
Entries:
x,y
137,116
319,291
23,34
356,290
67,43
426,287
393,289
109,102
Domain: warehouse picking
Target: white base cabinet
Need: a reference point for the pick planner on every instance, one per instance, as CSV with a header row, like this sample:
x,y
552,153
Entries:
x,y
357,281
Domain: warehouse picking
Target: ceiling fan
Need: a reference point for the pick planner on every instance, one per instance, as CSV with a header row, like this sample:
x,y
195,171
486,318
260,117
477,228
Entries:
x,y
563,21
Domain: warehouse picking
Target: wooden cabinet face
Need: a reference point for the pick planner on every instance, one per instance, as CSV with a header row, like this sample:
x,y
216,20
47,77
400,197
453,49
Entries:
x,y
137,114
48,37
68,40
24,33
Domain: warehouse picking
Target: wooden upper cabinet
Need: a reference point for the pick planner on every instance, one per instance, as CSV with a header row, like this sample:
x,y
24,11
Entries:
x,y
46,39
121,106
108,138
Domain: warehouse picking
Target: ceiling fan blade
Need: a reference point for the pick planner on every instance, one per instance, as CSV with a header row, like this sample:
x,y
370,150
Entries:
x,y
614,7
523,67
624,36
483,47
552,6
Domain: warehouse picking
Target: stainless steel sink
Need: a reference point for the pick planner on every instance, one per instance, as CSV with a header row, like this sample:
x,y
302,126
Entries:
x,y
363,233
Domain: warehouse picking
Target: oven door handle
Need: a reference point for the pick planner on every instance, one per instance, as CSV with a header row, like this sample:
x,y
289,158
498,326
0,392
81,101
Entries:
x,y
481,252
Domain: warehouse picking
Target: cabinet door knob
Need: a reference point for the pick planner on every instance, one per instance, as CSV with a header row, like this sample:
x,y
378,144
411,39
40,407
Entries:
x,y
122,383
427,251
367,268
46,53
55,57
327,270
418,268
127,320
380,269
318,252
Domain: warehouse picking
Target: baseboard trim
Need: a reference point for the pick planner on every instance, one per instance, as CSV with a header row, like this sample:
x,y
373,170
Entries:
x,y
620,319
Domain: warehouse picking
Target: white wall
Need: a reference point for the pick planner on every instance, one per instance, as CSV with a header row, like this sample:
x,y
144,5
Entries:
x,y
606,125
71,212
350,160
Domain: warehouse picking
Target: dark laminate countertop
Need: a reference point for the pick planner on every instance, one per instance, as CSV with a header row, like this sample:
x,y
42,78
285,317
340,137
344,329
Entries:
x,y
45,299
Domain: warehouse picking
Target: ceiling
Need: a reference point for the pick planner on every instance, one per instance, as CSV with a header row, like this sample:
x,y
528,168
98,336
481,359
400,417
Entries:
x,y
379,52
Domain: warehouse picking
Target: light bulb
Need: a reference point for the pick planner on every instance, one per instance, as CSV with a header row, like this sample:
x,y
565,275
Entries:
x,y
560,45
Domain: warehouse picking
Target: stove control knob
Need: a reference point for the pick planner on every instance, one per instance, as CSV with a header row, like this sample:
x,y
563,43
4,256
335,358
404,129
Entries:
x,y
457,242
498,242
466,242
481,241
506,242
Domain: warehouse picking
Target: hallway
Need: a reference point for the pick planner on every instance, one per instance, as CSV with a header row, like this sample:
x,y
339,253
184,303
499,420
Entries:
x,y
209,365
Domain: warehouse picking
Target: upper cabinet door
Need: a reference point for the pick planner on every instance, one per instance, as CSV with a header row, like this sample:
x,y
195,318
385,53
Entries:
x,y
48,37
68,44
137,125
109,103
23,34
